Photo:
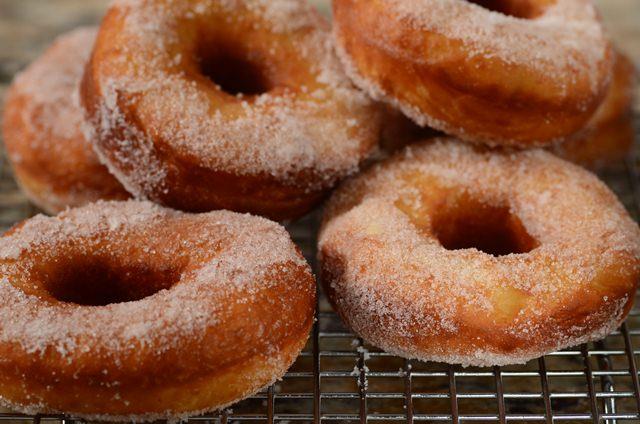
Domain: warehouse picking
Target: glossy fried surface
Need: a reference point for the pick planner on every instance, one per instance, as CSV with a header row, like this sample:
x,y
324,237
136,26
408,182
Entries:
x,y
125,311
461,255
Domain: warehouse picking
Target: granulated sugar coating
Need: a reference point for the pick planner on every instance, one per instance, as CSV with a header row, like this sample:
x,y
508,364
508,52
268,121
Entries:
x,y
143,313
479,74
42,127
567,34
53,83
158,104
461,255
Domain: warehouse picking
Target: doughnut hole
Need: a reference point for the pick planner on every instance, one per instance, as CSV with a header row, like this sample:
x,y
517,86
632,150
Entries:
x,y
465,222
459,220
233,70
100,282
523,9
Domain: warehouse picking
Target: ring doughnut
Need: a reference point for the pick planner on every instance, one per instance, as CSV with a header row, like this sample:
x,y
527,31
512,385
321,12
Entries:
x,y
239,105
184,313
610,135
460,255
500,72
53,162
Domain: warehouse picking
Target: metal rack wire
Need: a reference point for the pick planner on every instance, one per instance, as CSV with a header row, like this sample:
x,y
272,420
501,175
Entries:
x,y
339,378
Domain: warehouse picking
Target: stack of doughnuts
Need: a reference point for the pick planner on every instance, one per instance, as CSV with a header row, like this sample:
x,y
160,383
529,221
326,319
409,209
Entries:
x,y
195,105
119,310
489,252
477,247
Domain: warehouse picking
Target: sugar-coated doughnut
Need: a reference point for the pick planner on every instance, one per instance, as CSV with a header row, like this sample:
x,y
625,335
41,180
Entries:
x,y
610,135
42,127
125,311
461,255
242,105
501,72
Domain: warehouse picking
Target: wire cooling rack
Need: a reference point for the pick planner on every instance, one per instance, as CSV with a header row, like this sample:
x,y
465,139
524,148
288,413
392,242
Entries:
x,y
339,378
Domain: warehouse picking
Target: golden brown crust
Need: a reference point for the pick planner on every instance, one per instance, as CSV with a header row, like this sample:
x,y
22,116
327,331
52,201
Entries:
x,y
52,160
463,70
225,303
462,255
610,134
186,142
